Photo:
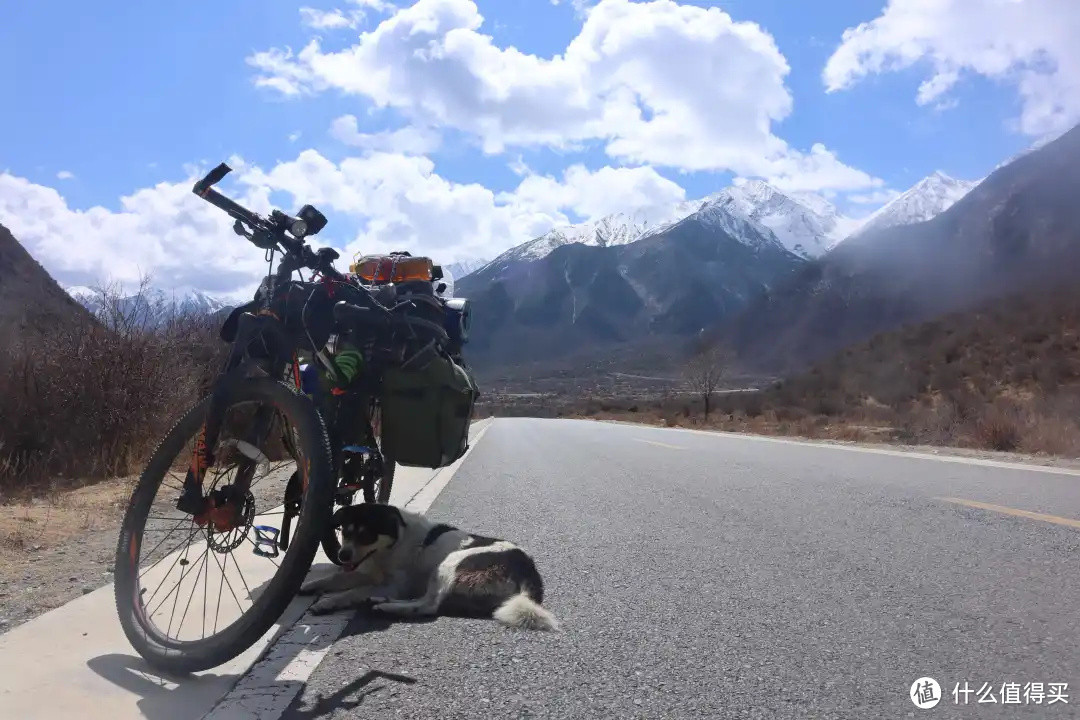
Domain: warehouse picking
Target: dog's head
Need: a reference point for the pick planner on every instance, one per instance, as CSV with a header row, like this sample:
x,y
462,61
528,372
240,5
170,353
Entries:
x,y
366,530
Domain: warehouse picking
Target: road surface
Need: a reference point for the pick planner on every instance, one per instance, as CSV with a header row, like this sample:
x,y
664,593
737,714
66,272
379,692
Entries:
x,y
715,576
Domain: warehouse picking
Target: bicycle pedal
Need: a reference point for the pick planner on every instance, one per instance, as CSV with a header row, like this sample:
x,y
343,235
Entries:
x,y
266,541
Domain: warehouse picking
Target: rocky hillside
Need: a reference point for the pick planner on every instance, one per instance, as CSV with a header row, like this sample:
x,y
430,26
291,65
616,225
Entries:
x,y
31,302
676,282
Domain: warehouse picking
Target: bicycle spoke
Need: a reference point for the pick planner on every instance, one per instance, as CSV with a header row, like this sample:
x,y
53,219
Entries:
x,y
192,594
237,564
233,592
221,585
183,574
205,586
169,571
174,529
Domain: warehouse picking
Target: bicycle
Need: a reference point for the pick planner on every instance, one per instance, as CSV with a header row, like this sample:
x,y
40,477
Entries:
x,y
214,472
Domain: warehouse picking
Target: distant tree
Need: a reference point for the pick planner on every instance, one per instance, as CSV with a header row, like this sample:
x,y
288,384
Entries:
x,y
706,369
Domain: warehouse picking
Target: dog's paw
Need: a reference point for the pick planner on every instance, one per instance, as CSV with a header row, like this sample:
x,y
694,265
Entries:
x,y
324,607
311,587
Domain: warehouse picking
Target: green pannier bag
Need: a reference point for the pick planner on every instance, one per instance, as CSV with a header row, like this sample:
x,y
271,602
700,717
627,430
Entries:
x,y
426,413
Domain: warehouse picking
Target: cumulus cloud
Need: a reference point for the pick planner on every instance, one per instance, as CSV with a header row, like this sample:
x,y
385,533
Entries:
x,y
593,195
164,230
377,202
1028,44
65,175
654,82
335,19
409,140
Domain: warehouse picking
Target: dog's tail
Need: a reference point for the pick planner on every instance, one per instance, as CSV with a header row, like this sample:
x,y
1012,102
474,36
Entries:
x,y
521,611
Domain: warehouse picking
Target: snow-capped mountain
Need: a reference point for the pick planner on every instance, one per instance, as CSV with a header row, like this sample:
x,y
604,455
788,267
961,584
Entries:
x,y
929,197
153,305
806,224
616,229
461,268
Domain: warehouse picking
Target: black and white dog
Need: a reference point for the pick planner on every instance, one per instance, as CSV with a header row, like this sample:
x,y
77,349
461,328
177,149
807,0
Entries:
x,y
402,563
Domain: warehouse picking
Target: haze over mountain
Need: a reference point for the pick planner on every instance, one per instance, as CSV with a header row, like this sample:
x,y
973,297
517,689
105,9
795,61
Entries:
x,y
1018,229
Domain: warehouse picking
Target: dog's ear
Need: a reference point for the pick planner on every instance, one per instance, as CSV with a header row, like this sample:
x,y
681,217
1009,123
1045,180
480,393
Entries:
x,y
398,517
339,517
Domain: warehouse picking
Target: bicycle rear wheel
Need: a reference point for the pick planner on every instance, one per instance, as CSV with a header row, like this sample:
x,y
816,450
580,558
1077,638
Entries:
x,y
171,621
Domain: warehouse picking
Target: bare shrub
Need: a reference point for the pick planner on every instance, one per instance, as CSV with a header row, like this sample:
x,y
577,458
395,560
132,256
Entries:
x,y
1051,436
998,428
706,370
93,401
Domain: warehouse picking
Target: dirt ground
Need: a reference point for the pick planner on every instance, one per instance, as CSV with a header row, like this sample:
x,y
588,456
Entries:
x,y
56,548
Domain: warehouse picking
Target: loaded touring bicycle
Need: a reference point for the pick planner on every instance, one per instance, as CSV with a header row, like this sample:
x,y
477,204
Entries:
x,y
235,502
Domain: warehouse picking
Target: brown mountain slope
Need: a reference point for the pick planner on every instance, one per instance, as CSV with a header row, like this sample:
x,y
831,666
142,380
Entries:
x,y
31,302
1019,229
1004,376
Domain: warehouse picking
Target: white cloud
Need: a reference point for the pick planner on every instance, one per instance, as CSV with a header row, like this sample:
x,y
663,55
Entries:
x,y
518,166
581,7
65,175
1029,44
294,136
376,5
378,202
409,140
593,195
334,19
655,82
164,229
878,197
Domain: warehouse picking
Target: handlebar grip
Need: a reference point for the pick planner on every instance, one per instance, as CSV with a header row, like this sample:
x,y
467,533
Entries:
x,y
212,178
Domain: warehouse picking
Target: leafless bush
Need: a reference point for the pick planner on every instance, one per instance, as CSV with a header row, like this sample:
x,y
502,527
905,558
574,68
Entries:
x,y
704,372
93,401
999,428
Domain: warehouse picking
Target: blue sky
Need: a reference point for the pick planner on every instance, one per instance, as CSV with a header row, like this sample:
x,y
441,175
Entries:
x,y
129,97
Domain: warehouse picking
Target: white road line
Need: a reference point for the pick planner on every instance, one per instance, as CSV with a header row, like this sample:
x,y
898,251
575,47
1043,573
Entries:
x,y
1031,467
270,686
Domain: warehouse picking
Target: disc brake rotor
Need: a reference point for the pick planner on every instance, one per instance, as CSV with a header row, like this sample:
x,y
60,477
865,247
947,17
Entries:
x,y
227,528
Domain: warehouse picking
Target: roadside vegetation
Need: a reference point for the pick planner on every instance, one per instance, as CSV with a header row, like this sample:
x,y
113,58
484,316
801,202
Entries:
x,y
89,402
1005,377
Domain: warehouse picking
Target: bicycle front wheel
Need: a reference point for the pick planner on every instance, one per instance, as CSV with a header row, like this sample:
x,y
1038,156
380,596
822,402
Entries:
x,y
193,593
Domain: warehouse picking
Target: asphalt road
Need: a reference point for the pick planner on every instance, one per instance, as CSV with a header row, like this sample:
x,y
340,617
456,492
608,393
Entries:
x,y
704,576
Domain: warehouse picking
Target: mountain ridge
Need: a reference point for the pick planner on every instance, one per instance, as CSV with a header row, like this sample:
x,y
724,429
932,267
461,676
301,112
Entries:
x,y
1019,228
32,303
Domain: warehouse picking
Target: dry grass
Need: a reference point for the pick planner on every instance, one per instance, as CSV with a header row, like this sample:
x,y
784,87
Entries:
x,y
62,515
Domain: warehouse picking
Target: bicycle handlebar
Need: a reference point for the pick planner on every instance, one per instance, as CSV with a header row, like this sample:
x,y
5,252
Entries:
x,y
204,189
267,233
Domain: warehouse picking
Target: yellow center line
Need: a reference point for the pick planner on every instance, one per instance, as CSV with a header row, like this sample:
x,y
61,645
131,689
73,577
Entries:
x,y
653,442
1069,522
